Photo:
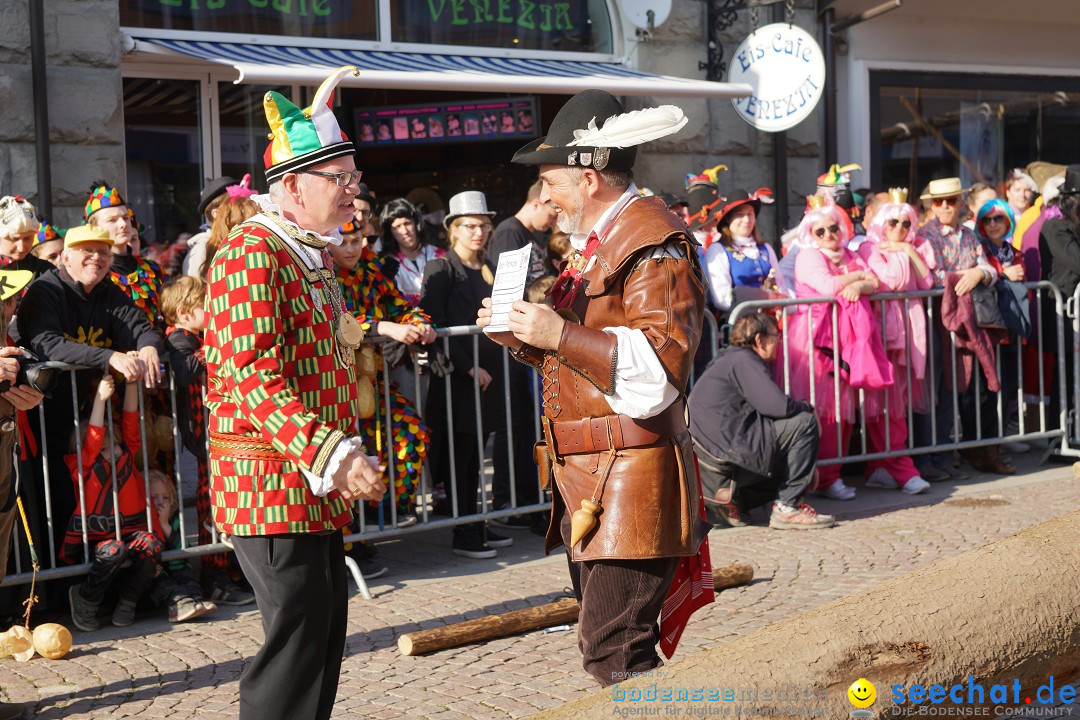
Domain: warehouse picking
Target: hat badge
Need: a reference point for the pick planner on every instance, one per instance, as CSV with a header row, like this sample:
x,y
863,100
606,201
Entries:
x,y
571,159
586,159
601,157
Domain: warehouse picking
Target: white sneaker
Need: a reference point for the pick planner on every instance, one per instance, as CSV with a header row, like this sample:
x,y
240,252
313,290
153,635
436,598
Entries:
x,y
882,479
914,486
838,491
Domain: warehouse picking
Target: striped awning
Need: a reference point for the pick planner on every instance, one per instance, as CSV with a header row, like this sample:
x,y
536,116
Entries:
x,y
284,65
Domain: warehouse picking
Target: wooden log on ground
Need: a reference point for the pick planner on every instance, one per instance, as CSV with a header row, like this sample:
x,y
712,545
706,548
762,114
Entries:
x,y
488,628
733,575
1004,612
541,616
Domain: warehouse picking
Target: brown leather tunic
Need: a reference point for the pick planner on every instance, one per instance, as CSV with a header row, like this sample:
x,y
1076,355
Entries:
x,y
649,499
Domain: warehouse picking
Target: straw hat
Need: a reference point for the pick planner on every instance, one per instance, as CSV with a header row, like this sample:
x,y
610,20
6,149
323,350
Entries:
x,y
945,187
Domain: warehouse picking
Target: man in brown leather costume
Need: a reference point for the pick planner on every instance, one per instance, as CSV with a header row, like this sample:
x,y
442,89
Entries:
x,y
614,355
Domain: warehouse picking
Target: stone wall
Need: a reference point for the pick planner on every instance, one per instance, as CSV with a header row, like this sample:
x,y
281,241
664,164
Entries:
x,y
82,42
715,134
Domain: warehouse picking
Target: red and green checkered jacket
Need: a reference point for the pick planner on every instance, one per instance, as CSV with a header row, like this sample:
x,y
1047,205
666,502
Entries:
x,y
273,374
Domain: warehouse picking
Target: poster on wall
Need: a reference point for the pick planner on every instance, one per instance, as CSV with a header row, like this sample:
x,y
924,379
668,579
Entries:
x,y
513,118
785,67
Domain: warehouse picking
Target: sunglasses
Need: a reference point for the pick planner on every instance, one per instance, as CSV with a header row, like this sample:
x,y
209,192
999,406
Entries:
x,y
893,222
993,219
938,202
832,229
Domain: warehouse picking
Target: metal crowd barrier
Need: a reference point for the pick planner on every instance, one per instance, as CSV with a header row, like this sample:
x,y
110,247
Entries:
x,y
52,569
1057,437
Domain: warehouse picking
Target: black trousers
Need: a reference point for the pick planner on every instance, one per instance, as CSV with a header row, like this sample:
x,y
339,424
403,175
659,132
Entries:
x,y
620,601
300,586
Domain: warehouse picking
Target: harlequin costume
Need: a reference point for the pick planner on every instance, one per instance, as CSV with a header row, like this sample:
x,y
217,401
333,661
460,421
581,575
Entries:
x,y
281,396
371,297
128,558
619,449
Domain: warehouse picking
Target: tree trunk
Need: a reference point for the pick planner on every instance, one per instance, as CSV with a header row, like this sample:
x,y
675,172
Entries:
x,y
1008,610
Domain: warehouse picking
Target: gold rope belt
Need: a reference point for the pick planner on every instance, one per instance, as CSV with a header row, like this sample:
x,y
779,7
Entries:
x,y
243,447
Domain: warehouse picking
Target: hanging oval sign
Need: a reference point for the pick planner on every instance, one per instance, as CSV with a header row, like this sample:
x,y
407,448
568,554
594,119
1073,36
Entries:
x,y
784,65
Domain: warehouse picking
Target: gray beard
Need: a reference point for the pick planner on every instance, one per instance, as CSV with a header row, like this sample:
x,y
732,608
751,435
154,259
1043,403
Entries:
x,y
571,224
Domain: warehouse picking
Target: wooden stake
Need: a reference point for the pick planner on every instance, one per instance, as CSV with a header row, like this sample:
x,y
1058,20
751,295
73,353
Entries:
x,y
488,628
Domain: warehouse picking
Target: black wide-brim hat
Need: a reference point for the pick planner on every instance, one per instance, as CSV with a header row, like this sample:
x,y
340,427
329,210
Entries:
x,y
1072,181
736,199
702,200
554,148
214,188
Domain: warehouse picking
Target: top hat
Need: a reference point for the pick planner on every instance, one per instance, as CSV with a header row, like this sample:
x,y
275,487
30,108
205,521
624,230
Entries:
x,y
1072,181
470,202
945,187
592,130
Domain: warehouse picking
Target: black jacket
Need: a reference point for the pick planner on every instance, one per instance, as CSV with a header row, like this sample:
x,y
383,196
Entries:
x,y
1059,249
185,353
731,408
60,321
451,296
511,234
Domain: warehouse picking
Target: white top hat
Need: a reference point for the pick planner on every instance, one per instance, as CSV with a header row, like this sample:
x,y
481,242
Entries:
x,y
470,202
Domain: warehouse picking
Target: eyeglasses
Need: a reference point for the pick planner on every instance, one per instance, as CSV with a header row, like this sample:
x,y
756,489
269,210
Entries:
x,y
893,222
473,227
938,202
89,252
993,219
341,179
833,230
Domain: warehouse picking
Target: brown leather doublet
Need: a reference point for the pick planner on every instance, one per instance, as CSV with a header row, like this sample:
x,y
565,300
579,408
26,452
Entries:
x,y
650,496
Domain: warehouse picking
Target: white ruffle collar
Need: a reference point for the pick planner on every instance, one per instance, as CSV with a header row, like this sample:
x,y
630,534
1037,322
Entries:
x,y
270,207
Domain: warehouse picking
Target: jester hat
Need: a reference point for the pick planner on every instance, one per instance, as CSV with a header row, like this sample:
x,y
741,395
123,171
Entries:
x,y
837,175
300,139
47,233
102,196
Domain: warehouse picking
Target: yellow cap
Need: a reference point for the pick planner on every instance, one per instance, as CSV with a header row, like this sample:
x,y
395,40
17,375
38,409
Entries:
x,y
13,281
84,234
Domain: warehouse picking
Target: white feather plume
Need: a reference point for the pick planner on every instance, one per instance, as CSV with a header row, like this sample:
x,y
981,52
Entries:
x,y
632,128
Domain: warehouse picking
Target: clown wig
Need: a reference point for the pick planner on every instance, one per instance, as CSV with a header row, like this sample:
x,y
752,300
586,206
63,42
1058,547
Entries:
x,y
875,232
829,213
996,206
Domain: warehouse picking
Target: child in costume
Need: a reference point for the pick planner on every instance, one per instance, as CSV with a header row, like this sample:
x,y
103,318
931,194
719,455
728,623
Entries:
x,y
128,559
182,307
175,587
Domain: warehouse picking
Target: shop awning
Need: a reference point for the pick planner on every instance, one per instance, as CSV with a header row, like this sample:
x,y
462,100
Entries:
x,y
283,65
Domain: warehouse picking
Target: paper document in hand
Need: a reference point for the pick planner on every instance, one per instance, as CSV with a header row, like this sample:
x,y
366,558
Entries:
x,y
511,275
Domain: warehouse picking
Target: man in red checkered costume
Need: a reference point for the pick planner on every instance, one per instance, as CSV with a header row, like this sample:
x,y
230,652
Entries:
x,y
281,395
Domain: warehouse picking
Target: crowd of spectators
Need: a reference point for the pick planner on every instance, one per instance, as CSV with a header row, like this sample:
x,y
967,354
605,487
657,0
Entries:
x,y
131,318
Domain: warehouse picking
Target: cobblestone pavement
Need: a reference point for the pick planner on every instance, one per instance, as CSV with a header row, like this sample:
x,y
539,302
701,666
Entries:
x,y
158,670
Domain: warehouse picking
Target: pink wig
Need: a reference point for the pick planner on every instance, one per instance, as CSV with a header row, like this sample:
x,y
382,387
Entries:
x,y
830,213
875,233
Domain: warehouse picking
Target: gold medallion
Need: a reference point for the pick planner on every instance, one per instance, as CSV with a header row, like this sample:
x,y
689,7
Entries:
x,y
349,332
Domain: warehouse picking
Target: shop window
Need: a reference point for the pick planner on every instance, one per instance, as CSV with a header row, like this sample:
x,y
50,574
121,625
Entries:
x,y
345,19
244,130
566,25
976,127
163,141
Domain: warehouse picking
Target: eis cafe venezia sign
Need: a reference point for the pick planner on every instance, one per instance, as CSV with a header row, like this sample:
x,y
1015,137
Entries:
x,y
784,65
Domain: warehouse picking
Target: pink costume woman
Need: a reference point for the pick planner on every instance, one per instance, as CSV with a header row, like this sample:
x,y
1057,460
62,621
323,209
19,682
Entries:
x,y
902,262
824,267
